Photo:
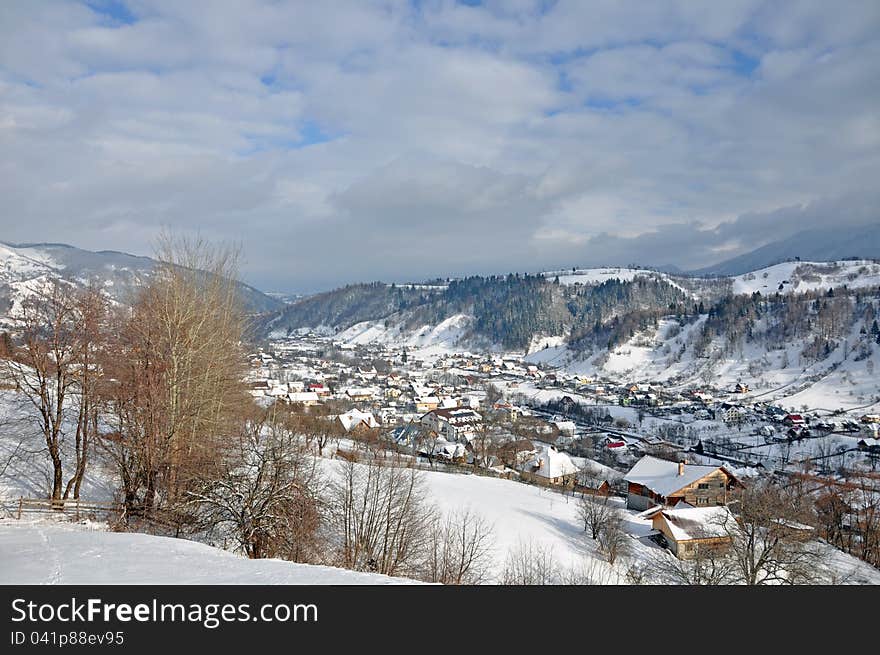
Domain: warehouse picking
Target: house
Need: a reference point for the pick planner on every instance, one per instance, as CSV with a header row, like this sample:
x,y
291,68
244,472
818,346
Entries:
x,y
444,449
355,420
798,432
794,420
550,466
873,448
258,388
688,530
360,394
566,428
741,388
319,389
612,442
592,482
277,390
507,411
870,418
733,413
456,424
653,481
426,403
307,398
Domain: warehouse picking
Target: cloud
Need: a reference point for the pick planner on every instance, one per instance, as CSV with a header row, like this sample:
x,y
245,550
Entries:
x,y
395,140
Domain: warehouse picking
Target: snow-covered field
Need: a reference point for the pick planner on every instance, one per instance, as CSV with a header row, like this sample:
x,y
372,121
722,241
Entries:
x,y
798,277
48,552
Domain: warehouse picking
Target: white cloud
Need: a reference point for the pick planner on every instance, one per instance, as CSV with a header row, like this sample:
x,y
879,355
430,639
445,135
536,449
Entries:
x,y
397,142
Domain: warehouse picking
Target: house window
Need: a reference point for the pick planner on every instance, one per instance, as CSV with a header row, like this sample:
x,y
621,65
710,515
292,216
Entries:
x,y
703,485
702,501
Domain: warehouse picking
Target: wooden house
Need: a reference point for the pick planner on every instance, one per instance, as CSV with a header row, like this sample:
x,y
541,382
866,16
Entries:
x,y
689,530
652,481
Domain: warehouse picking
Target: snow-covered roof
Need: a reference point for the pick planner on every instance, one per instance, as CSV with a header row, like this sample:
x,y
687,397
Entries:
x,y
354,417
662,476
361,391
697,522
303,397
448,448
550,463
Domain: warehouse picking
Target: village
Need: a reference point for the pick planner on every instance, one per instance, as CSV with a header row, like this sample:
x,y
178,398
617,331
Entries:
x,y
671,456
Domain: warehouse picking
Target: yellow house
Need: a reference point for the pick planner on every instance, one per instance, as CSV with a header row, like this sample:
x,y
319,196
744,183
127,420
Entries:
x,y
692,529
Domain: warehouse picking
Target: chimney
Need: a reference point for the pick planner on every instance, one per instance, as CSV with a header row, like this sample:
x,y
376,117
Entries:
x,y
681,468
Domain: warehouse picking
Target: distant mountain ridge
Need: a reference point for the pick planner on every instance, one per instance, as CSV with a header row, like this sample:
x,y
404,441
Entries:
x,y
26,264
827,244
516,312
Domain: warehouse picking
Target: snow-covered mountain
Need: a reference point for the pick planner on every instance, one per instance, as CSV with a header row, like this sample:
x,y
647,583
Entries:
x,y
26,267
567,299
804,331
826,244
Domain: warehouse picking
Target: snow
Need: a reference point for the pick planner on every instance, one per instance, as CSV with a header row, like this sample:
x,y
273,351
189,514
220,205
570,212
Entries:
x,y
797,277
43,552
451,335
521,513
70,553
550,463
697,522
662,476
541,342
355,417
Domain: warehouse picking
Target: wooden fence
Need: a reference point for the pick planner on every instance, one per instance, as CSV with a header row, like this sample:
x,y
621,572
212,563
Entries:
x,y
77,506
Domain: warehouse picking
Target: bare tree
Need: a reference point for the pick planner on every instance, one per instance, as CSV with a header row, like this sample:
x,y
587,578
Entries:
x,y
708,566
483,444
459,549
770,540
43,365
594,512
316,426
590,571
613,538
379,516
530,563
178,368
91,342
266,492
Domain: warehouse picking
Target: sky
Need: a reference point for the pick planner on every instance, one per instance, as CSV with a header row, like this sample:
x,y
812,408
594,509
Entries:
x,y
403,140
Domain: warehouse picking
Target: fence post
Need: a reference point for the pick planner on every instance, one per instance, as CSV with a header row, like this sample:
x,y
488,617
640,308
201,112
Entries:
x,y
20,503
77,508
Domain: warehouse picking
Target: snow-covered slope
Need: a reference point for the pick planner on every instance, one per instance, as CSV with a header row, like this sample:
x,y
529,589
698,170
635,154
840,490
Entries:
x,y
453,334
71,553
592,276
845,378
787,277
797,277
26,268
